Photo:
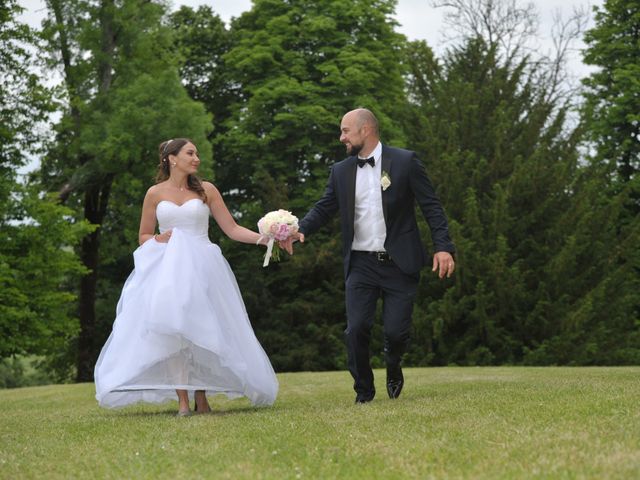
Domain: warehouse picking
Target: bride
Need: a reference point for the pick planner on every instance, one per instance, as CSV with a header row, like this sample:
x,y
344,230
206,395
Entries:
x,y
181,324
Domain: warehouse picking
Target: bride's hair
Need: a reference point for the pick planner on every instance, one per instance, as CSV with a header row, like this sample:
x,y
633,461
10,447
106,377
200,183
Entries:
x,y
173,147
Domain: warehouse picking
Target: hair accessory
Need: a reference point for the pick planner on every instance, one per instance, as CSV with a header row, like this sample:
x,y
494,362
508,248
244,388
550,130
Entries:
x,y
166,147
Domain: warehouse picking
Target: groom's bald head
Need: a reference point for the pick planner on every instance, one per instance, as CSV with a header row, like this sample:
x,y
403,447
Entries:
x,y
359,131
365,117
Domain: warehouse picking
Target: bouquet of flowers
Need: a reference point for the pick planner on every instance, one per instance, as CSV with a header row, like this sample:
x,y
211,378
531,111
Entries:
x,y
277,225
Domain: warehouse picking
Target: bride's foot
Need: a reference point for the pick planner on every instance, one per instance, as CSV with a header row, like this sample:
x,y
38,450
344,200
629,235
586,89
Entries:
x,y
202,405
183,403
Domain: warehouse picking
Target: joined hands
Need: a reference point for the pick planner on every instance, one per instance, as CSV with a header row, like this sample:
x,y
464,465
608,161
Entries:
x,y
287,244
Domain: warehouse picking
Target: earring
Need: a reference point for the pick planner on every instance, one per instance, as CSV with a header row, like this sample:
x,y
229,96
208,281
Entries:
x,y
173,164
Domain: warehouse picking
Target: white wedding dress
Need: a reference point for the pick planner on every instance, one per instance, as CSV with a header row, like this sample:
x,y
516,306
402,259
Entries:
x,y
181,323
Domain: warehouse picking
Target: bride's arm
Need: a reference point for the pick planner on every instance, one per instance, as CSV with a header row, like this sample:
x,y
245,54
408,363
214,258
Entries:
x,y
148,217
226,221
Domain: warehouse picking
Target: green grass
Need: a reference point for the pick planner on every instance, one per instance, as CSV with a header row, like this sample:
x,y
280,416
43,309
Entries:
x,y
505,422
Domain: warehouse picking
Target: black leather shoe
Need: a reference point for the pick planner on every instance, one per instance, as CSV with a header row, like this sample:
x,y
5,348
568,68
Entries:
x,y
363,399
395,381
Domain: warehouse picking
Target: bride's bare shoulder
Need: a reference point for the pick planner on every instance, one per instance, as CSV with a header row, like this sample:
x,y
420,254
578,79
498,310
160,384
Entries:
x,y
210,189
155,193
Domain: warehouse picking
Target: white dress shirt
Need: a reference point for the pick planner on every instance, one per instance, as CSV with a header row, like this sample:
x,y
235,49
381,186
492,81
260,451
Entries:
x,y
370,231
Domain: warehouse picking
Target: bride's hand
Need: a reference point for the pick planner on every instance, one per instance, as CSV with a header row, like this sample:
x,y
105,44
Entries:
x,y
163,237
287,244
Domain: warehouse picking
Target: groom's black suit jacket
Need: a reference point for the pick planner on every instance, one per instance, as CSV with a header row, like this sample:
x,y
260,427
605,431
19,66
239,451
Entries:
x,y
409,184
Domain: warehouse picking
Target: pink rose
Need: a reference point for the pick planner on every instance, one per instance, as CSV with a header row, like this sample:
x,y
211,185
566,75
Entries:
x,y
283,232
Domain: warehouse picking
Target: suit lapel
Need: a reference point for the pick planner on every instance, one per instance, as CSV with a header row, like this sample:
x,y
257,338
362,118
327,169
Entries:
x,y
351,190
386,167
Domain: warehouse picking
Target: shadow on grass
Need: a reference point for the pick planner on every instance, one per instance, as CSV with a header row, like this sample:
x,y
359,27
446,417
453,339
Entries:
x,y
241,409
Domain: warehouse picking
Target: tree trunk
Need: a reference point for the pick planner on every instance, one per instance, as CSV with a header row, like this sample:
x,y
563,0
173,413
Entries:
x,y
96,201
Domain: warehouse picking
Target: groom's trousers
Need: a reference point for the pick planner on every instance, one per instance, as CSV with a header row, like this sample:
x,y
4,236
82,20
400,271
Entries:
x,y
370,278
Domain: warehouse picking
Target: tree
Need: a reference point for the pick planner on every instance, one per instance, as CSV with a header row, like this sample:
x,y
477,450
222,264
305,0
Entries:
x,y
122,97
202,39
295,67
36,234
612,92
593,280
601,304
547,253
493,133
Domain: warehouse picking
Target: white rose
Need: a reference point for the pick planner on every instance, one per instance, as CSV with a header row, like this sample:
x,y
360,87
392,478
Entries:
x,y
385,181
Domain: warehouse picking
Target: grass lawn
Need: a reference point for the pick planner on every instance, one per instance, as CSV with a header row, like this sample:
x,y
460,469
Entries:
x,y
503,422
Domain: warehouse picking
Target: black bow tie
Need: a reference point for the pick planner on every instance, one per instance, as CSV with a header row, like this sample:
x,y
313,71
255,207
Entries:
x,y
362,161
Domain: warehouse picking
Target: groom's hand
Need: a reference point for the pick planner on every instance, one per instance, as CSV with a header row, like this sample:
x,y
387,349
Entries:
x,y
443,262
288,243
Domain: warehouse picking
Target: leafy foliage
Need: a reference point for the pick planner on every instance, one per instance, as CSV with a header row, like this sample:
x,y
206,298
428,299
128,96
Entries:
x,y
37,314
123,96
37,262
612,100
544,213
296,68
502,163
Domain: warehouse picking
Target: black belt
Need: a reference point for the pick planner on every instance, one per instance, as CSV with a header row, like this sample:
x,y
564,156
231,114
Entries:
x,y
380,256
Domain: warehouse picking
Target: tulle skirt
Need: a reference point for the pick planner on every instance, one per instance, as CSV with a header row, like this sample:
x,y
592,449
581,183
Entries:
x,y
181,324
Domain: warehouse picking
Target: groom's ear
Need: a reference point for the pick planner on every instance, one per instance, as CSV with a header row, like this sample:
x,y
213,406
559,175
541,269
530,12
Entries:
x,y
367,129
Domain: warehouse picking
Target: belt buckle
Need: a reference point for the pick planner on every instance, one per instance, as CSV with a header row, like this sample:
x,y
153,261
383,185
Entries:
x,y
382,256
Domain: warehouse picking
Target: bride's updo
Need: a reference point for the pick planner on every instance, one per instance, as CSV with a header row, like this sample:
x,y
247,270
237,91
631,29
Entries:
x,y
173,147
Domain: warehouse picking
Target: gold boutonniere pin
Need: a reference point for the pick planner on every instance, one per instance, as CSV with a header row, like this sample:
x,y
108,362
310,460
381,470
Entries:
x,y
385,181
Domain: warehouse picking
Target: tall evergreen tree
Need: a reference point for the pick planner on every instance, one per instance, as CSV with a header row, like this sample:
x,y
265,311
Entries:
x,y
494,135
613,91
602,254
593,281
548,258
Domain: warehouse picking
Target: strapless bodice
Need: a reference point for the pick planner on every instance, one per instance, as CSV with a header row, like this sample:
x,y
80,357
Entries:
x,y
192,217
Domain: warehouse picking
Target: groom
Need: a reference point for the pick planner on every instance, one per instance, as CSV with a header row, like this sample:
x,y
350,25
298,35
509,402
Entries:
x,y
375,189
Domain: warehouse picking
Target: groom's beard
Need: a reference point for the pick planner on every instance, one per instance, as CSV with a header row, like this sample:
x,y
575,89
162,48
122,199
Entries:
x,y
355,149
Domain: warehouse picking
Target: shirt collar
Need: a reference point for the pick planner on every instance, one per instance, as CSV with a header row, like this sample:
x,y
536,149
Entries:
x,y
376,154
